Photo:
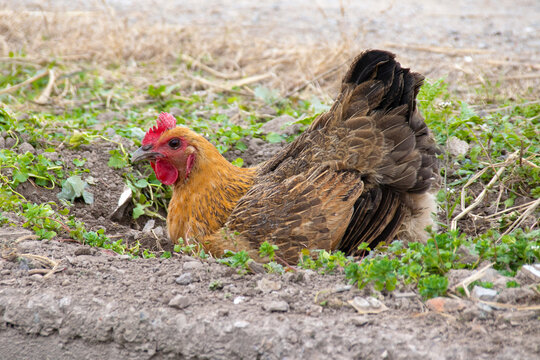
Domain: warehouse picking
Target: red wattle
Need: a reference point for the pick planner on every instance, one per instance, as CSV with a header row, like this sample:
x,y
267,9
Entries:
x,y
165,172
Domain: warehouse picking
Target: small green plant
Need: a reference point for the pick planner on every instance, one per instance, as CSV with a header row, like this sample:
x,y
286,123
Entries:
x,y
268,250
118,159
484,284
28,166
323,261
238,260
432,286
42,219
274,268
512,284
194,249
79,162
215,285
147,254
74,187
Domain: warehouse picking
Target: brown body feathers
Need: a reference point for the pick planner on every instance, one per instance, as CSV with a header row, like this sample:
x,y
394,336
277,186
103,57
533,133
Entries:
x,y
360,173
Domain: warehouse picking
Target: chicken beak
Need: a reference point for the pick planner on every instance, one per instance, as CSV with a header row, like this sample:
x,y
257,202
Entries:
x,y
141,154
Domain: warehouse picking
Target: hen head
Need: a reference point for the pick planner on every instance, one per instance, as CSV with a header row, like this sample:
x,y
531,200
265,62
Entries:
x,y
171,150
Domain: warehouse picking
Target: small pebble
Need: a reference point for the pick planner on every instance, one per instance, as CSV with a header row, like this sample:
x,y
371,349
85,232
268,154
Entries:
x,y
457,147
442,304
238,300
36,277
180,302
65,301
342,288
82,251
360,320
482,293
266,285
276,306
368,305
26,147
484,307
294,277
532,271
149,226
184,279
240,324
10,142
159,231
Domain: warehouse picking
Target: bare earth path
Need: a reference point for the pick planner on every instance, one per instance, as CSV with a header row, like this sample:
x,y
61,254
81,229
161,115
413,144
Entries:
x,y
106,306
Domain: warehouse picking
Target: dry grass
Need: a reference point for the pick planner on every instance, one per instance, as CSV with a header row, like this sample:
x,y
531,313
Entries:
x,y
229,53
101,40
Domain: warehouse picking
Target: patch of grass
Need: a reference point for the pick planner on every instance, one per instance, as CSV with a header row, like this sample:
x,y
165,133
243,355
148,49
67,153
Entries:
x,y
323,261
500,154
195,250
512,284
484,284
237,260
427,264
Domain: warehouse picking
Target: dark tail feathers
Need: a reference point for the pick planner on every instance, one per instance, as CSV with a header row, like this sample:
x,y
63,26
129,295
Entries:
x,y
401,87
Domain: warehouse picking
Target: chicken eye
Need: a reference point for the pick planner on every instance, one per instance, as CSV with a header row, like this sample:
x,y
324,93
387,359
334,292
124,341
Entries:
x,y
174,143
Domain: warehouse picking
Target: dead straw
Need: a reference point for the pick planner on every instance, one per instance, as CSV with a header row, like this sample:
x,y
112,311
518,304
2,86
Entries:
x,y
438,49
46,94
24,83
478,200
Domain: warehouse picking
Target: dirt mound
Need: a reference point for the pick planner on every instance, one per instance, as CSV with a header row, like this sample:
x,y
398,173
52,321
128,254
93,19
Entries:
x,y
99,305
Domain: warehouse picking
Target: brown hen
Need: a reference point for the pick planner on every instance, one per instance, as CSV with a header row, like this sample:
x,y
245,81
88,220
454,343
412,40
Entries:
x,y
360,173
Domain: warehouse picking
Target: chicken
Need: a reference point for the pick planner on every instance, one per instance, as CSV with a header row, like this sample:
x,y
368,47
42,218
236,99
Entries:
x,y
362,172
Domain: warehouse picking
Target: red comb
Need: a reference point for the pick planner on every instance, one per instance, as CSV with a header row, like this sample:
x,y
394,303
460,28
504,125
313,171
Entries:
x,y
165,122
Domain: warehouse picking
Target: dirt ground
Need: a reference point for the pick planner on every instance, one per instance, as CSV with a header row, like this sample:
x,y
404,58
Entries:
x,y
102,305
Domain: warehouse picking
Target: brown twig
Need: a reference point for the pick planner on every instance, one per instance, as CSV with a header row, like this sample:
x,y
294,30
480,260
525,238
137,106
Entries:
x,y
438,49
45,95
64,226
511,107
482,195
476,276
316,78
249,80
216,85
507,210
44,261
510,306
20,61
518,77
513,63
523,216
24,83
208,69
